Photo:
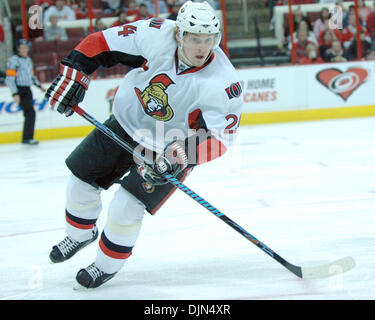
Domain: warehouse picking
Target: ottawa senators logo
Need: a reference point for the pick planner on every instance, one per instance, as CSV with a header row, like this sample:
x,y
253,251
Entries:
x,y
154,99
148,187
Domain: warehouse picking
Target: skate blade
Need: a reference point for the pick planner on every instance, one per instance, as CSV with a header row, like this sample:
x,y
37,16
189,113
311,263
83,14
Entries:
x,y
78,287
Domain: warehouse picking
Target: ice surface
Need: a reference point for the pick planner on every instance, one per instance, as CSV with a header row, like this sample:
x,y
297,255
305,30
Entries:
x,y
307,190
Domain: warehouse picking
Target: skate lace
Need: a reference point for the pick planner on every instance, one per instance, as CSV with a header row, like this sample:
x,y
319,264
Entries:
x,y
94,272
67,245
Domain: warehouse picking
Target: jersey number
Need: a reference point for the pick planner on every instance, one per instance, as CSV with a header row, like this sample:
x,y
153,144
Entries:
x,y
127,29
234,123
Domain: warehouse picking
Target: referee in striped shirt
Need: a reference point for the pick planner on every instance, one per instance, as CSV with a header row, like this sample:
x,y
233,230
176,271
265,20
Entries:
x,y
19,78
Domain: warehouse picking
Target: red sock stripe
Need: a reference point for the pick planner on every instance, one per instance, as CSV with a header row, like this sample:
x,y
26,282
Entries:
x,y
84,226
78,225
113,254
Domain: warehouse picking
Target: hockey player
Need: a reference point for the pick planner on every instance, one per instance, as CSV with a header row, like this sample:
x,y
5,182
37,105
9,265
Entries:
x,y
180,105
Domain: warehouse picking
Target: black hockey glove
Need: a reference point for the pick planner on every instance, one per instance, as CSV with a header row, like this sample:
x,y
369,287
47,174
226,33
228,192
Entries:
x,y
67,90
173,160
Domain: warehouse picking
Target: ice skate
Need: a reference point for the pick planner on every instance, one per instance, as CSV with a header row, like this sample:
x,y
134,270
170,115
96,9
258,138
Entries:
x,y
69,247
92,277
30,142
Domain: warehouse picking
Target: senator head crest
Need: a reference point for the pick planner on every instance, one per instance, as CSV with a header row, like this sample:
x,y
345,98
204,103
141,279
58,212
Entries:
x,y
154,99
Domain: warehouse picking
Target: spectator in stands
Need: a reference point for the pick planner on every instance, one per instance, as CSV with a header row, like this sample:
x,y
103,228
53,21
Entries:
x,y
122,19
175,7
114,6
311,55
170,4
336,53
310,35
350,12
162,7
319,24
363,10
301,43
132,9
325,42
350,31
99,25
53,31
143,13
298,17
82,11
44,3
61,10
365,42
336,33
370,22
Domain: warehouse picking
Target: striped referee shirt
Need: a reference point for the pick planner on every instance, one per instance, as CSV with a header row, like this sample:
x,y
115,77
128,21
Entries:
x,y
20,73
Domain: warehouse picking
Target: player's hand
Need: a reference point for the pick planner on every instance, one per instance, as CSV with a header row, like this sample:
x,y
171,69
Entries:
x,y
173,161
149,175
67,90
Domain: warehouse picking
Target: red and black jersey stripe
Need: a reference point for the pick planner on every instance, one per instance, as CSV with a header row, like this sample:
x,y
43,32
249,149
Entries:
x,y
196,120
114,250
93,51
79,223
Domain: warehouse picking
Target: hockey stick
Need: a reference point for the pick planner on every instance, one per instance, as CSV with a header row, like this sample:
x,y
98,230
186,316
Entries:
x,y
322,271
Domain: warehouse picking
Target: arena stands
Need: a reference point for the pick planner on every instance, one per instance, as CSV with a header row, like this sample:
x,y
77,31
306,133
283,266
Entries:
x,y
266,43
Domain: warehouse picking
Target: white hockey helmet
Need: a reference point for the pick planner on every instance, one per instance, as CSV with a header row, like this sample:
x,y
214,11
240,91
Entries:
x,y
197,17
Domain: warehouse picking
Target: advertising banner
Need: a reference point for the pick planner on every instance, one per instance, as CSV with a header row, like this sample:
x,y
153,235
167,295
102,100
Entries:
x,y
97,101
315,86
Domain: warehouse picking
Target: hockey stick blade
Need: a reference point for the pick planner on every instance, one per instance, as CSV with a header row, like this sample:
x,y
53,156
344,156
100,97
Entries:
x,y
328,270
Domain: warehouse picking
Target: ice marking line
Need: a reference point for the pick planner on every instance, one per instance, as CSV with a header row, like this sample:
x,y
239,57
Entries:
x,y
31,232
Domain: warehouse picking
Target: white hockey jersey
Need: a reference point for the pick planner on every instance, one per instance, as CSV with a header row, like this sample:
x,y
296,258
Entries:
x,y
157,103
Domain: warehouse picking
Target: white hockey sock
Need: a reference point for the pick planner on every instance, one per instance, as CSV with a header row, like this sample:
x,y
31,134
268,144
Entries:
x,y
120,232
83,206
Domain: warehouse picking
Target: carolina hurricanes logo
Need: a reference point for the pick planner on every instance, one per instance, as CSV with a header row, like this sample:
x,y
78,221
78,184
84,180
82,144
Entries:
x,y
342,83
154,99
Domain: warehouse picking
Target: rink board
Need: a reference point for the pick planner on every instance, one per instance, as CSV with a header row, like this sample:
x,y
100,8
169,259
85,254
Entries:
x,y
270,95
